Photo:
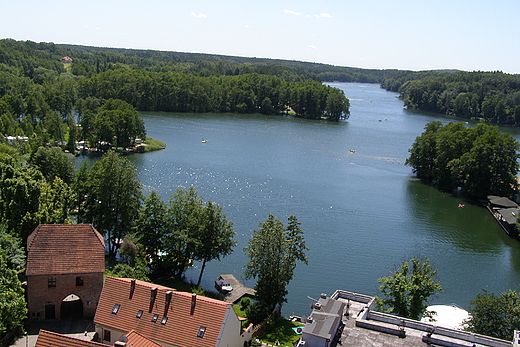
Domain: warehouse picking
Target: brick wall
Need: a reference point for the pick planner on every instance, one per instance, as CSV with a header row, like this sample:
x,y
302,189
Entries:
x,y
41,297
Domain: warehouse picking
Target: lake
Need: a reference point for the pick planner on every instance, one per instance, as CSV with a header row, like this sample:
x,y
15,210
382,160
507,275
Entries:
x,y
361,208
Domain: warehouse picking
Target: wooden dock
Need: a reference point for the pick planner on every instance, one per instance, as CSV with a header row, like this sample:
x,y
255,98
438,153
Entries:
x,y
239,290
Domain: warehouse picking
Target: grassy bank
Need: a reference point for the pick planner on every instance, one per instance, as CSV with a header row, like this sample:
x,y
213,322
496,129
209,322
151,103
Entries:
x,y
150,144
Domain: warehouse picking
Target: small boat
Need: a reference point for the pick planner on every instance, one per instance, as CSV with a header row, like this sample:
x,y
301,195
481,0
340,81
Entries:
x,y
204,141
223,286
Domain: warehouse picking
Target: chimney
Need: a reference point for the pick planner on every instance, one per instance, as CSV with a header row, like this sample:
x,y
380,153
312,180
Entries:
x,y
132,289
167,302
153,295
193,303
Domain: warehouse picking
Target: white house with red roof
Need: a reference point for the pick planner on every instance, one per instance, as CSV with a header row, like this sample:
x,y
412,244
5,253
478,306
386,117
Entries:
x,y
166,316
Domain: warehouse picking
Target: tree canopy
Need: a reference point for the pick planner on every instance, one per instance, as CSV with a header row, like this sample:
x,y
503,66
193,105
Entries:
x,y
12,299
407,290
109,197
495,315
481,160
491,96
273,252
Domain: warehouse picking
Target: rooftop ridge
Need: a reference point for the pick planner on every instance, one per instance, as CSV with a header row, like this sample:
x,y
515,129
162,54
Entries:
x,y
63,340
149,285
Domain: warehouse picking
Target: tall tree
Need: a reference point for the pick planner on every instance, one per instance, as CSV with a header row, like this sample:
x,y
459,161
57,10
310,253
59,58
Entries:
x,y
152,226
215,237
273,252
185,211
408,289
111,197
497,316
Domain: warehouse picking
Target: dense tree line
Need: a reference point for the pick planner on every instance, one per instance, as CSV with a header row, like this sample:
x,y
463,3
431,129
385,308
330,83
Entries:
x,y
249,93
45,100
491,96
481,160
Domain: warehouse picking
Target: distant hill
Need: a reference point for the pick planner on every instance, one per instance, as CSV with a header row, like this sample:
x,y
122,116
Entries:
x,y
322,72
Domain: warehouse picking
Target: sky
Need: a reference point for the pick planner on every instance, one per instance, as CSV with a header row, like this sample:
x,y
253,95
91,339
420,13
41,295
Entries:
x,y
377,34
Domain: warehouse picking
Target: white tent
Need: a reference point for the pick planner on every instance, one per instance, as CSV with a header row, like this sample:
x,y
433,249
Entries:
x,y
449,316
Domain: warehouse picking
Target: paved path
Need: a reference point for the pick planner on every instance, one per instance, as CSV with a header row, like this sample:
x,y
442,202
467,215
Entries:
x,y
75,329
239,290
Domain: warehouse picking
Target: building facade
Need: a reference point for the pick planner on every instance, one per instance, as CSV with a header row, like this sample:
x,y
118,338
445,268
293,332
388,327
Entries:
x,y
65,267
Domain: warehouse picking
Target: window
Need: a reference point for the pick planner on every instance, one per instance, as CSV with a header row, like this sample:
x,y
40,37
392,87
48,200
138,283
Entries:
x,y
154,318
139,314
202,330
106,335
79,281
116,308
164,320
51,282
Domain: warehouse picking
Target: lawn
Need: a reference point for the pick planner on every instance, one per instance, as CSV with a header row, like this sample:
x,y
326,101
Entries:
x,y
282,332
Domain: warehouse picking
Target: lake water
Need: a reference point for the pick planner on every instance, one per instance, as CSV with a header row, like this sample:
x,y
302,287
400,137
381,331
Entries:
x,y
361,208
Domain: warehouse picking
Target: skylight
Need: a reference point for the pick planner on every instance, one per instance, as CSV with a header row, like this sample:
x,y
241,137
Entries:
x,y
116,308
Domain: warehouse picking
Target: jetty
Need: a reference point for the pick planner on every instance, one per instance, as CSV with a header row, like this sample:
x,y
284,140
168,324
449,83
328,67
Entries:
x,y
239,290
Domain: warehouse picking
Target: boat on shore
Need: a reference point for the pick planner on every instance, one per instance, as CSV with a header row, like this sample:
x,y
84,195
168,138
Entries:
x,y
223,286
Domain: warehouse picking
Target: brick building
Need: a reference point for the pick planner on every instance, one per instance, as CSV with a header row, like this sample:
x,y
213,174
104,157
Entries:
x,y
65,266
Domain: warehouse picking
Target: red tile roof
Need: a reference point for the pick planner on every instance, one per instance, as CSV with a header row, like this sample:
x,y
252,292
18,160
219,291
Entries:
x,y
184,320
50,339
65,248
137,340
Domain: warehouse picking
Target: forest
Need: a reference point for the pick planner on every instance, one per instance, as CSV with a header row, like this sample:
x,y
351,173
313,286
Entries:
x,y
48,100
491,97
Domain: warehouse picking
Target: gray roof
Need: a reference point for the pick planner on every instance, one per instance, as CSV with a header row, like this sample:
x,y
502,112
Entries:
x,y
501,201
325,318
509,214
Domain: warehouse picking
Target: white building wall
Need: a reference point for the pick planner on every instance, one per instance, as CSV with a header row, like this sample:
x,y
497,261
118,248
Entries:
x,y
232,334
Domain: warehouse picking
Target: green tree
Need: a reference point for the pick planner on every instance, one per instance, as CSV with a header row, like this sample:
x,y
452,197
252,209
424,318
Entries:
x,y
14,251
110,197
408,289
20,190
152,226
215,237
12,300
273,252
185,213
53,162
480,159
497,316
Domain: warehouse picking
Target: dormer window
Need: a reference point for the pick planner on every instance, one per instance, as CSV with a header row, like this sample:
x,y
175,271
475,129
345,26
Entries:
x,y
154,318
116,308
202,330
139,314
164,320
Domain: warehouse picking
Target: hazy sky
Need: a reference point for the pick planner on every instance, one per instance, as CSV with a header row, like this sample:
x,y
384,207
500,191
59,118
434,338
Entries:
x,y
402,34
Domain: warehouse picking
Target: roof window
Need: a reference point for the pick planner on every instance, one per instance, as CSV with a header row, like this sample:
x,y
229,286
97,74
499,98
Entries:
x,y
164,320
154,318
116,308
202,330
139,314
